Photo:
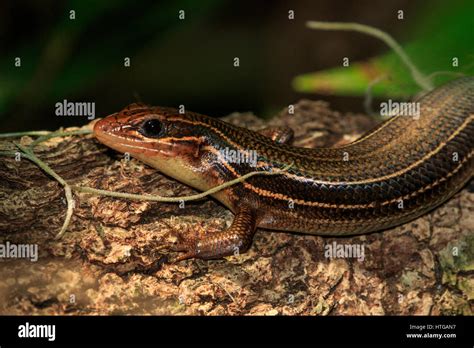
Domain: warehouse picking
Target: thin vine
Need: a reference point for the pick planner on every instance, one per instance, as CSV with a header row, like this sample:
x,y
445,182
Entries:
x,y
27,152
423,81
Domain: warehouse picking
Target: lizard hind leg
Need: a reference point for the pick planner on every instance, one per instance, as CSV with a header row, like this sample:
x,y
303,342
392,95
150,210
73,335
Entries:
x,y
236,239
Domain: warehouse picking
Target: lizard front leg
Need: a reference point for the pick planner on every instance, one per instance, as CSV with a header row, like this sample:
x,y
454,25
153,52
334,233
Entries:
x,y
236,239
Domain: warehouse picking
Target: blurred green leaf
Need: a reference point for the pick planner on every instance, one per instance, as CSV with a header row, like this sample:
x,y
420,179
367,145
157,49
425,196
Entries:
x,y
444,31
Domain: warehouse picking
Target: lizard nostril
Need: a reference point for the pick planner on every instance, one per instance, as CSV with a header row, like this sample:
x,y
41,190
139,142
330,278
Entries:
x,y
101,126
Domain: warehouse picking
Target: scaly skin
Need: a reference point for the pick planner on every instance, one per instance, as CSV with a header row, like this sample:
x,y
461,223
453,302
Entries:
x,y
400,170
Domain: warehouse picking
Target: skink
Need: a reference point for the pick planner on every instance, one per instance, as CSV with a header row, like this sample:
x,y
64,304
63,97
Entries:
x,y
400,170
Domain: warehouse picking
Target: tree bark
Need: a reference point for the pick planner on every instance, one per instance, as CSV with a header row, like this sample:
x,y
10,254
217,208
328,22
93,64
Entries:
x,y
110,259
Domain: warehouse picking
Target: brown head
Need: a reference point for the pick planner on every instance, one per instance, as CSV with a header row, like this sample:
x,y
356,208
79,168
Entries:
x,y
141,129
161,137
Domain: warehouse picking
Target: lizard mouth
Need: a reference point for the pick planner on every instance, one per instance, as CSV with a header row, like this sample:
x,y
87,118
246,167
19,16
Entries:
x,y
120,133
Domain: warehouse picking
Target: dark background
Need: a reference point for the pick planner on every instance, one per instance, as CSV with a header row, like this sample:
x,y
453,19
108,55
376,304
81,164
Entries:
x,y
176,61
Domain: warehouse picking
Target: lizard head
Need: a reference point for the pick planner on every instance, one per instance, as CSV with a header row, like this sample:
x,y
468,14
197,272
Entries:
x,y
162,138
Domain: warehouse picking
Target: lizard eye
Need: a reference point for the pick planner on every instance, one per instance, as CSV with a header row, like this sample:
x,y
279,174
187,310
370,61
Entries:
x,y
151,128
